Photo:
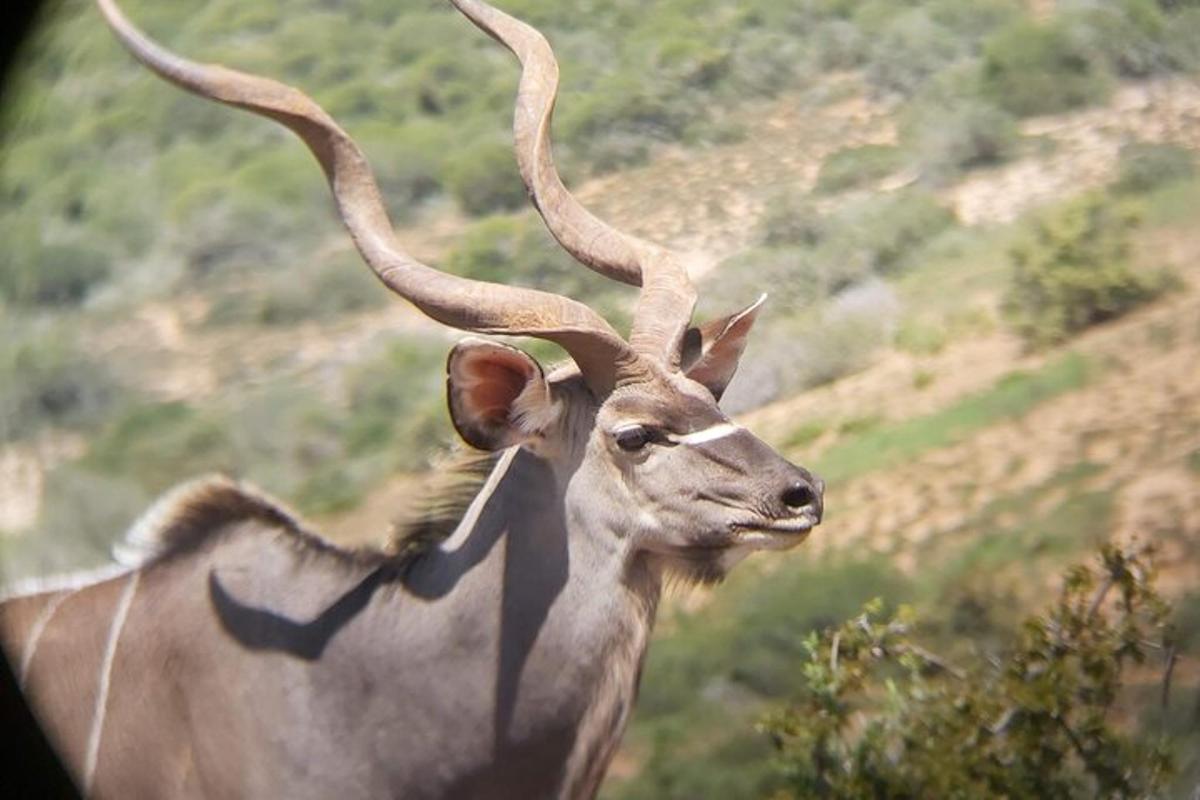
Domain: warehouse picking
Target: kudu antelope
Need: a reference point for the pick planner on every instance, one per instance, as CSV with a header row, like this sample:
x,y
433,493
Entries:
x,y
247,657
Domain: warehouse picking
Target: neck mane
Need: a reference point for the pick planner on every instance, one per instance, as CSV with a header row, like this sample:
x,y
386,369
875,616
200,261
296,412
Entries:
x,y
441,501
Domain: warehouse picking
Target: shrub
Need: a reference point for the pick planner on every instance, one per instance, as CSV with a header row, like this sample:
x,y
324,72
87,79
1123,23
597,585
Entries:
x,y
857,323
910,50
685,59
45,380
809,257
311,293
854,167
396,404
702,684
1041,68
878,715
158,445
791,219
1129,34
484,179
408,160
967,135
765,62
883,235
810,351
486,250
1183,40
840,45
1074,270
615,123
976,19
1145,166
445,81
89,513
519,250
55,275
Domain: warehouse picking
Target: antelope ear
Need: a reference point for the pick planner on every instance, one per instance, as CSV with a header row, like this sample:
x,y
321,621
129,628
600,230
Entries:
x,y
711,351
498,394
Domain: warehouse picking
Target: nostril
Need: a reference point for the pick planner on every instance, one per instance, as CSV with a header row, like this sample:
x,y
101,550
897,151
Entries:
x,y
799,495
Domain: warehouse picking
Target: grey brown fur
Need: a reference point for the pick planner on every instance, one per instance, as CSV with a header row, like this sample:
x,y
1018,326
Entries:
x,y
491,652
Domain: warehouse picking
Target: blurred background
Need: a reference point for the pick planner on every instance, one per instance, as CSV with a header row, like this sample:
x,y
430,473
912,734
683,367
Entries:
x,y
976,219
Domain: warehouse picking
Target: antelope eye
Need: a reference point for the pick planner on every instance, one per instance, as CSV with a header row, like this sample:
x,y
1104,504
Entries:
x,y
633,437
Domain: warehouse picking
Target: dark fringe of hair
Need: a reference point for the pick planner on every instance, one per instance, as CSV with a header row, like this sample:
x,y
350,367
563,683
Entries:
x,y
189,516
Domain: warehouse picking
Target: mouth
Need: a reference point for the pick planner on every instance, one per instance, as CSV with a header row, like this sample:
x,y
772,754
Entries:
x,y
776,534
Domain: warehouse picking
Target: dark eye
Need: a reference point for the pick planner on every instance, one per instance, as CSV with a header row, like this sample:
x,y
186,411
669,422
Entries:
x,y
633,437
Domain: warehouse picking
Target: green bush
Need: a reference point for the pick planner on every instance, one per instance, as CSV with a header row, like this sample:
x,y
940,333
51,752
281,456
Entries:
x,y
878,715
1034,68
855,167
691,61
976,19
791,219
408,160
1130,35
487,250
54,275
910,50
456,79
705,680
1074,270
1146,166
1183,40
884,235
765,62
90,512
839,347
621,117
160,444
840,45
484,179
794,278
970,134
47,380
802,348
397,404
518,250
311,292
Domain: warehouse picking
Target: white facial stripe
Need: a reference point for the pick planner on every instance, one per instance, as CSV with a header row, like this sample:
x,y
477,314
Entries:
x,y
708,434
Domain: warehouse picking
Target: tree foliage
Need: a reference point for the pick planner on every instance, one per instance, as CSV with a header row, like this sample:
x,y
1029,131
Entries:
x,y
1041,68
879,716
1075,270
1145,166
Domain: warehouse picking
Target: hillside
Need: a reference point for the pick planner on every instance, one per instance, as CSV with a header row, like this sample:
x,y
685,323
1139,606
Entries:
x,y
176,297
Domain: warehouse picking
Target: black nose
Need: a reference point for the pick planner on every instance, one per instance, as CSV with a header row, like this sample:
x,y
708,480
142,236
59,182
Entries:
x,y
805,494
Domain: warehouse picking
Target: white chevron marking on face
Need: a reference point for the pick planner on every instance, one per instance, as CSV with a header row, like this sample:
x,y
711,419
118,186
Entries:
x,y
708,434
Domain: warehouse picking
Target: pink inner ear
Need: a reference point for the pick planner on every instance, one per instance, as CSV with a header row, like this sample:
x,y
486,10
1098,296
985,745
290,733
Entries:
x,y
496,380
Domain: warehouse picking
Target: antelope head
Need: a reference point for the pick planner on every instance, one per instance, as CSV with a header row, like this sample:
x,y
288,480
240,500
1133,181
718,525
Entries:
x,y
632,427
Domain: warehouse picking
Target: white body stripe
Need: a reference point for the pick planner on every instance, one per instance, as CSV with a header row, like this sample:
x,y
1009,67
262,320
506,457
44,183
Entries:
x,y
467,524
106,665
708,434
35,635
